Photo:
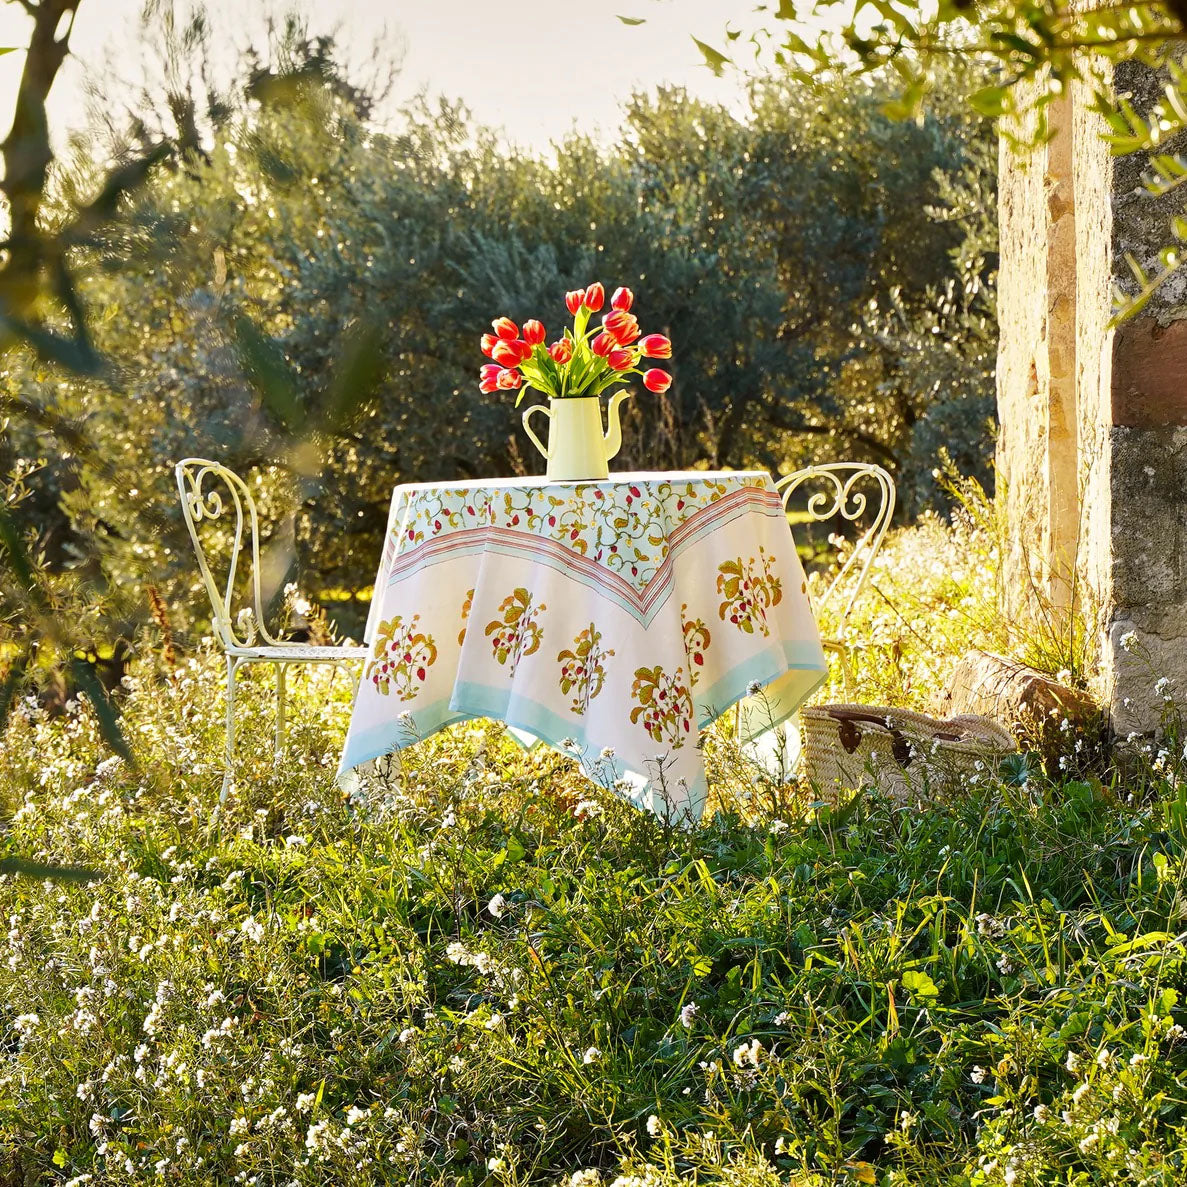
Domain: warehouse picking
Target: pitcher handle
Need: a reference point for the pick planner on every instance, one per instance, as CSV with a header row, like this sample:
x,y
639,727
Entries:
x,y
527,428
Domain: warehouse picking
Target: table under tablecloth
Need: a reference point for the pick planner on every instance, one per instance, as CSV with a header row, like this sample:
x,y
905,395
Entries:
x,y
611,619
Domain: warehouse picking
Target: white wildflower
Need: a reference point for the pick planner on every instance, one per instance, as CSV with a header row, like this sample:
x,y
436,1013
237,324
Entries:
x,y
252,929
748,1053
497,905
592,1055
687,1014
654,1126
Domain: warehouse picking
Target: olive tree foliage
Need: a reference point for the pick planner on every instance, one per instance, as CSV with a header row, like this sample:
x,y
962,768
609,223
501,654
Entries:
x,y
825,273
1038,48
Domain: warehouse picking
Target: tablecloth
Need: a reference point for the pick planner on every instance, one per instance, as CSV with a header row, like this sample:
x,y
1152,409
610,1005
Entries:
x,y
611,619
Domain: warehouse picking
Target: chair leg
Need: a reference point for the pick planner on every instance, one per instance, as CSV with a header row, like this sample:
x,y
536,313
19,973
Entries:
x,y
280,708
847,672
229,757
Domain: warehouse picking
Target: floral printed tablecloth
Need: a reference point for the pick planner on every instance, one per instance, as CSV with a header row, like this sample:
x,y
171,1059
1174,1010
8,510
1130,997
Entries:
x,y
611,619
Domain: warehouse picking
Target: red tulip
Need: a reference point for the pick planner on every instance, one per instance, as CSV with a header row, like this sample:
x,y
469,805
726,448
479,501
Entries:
x,y
620,359
623,299
602,345
505,328
561,351
489,371
656,380
506,352
656,346
594,296
510,378
629,332
488,385
488,344
533,332
524,348
574,299
624,326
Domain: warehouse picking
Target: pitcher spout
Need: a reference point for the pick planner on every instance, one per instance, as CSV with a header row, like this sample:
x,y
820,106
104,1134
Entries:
x,y
613,425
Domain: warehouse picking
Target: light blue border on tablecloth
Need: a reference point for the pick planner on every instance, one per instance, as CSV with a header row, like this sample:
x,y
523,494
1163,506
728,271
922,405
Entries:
x,y
470,700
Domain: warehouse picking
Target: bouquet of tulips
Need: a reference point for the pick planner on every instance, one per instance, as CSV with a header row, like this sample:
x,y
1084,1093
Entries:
x,y
584,361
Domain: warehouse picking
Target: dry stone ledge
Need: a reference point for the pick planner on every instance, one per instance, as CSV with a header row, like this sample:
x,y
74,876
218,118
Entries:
x,y
1014,693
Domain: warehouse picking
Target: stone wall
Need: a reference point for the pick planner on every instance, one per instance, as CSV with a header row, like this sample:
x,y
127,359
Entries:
x,y
1093,441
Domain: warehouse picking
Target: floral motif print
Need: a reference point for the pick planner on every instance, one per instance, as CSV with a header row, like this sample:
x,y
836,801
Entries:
x,y
467,605
623,526
696,643
664,705
517,633
402,658
750,589
583,668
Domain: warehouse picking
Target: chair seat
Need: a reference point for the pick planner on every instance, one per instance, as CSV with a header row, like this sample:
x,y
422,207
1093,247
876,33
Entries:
x,y
299,653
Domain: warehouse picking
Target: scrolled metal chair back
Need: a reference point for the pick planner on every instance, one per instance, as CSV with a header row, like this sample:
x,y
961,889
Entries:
x,y
854,492
209,492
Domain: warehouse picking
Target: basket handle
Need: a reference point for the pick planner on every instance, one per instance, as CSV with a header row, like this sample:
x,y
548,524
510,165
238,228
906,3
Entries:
x,y
849,735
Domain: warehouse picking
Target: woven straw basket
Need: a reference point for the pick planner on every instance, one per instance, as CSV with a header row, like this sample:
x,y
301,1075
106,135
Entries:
x,y
900,753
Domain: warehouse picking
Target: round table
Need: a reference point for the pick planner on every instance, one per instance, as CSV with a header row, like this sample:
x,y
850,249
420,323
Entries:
x,y
611,619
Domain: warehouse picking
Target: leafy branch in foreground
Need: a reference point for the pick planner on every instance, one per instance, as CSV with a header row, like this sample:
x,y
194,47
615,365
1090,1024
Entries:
x,y
1038,50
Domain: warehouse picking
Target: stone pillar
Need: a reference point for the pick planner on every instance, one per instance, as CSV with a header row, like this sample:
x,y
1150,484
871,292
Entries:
x,y
1092,451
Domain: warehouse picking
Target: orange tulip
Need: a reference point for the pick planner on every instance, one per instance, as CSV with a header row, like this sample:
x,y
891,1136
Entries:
x,y
656,380
594,296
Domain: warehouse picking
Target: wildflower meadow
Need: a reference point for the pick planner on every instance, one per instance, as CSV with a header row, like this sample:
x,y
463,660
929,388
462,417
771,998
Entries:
x,y
478,968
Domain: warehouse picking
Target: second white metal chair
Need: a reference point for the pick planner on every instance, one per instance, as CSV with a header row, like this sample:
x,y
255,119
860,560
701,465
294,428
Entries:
x,y
857,493
209,492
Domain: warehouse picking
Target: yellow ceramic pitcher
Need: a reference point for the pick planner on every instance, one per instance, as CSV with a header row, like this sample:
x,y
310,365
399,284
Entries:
x,y
576,449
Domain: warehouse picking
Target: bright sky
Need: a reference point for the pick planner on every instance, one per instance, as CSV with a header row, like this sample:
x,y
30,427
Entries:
x,y
532,67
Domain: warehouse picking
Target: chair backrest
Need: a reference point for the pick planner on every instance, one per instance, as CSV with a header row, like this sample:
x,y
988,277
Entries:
x,y
208,492
857,492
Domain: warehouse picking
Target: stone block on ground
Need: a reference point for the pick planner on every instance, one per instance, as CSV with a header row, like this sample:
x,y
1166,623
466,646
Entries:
x,y
1014,693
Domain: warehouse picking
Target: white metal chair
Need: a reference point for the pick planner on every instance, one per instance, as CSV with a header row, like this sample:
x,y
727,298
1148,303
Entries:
x,y
208,492
856,492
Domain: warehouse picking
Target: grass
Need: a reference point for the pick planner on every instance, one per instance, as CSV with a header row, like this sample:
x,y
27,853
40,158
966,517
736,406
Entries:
x,y
487,972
